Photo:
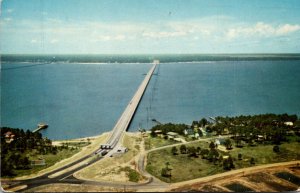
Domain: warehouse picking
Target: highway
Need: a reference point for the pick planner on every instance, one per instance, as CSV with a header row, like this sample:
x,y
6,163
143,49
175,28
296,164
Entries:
x,y
125,119
117,132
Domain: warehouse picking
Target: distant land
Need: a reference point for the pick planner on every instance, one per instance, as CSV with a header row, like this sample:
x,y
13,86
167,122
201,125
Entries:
x,y
143,58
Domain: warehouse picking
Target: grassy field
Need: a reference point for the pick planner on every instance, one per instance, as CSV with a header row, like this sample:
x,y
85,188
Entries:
x,y
50,159
154,142
186,168
264,154
183,166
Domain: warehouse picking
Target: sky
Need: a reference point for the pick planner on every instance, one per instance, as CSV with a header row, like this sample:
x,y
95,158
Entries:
x,y
149,26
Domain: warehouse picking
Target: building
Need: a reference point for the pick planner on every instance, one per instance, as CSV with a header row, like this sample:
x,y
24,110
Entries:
x,y
158,133
172,135
189,131
289,123
105,146
122,150
203,131
220,141
9,136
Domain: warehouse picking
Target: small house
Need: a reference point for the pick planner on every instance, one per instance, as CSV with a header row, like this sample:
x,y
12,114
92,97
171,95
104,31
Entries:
x,y
189,131
159,133
219,141
289,123
9,136
172,135
203,131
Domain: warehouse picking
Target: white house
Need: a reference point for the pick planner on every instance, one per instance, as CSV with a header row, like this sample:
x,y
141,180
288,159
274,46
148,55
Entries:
x,y
289,123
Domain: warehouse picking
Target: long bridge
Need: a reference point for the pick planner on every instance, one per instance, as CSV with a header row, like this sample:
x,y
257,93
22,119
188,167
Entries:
x,y
117,132
125,119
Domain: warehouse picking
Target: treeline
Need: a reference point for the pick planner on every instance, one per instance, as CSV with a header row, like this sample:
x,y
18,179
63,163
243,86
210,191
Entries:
x,y
14,152
269,127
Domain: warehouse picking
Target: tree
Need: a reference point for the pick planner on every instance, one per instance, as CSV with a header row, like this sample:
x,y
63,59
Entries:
x,y
200,133
213,155
228,144
238,142
230,160
192,151
174,150
198,150
166,172
203,122
204,153
252,161
153,134
194,123
226,164
182,149
276,149
167,165
212,145
240,156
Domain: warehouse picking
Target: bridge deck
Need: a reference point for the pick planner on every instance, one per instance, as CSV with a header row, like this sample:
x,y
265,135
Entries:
x,y
123,122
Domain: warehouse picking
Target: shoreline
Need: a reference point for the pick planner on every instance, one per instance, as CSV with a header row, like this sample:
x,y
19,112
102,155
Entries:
x,y
54,142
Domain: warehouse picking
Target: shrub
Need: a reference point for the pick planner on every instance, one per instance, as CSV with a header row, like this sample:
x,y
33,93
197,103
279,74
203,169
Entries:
x,y
276,149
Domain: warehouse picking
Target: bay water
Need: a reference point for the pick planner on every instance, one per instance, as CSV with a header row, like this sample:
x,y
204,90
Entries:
x,y
82,99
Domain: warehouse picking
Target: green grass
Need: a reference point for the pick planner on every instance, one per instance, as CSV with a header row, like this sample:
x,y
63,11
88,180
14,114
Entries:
x,y
50,159
186,168
183,167
264,154
133,175
78,144
154,142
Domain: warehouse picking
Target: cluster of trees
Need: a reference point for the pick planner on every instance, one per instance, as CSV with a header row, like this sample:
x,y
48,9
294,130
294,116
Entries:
x,y
14,154
211,154
202,123
247,128
169,127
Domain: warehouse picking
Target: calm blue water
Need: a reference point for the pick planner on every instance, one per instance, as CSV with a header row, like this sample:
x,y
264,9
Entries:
x,y
76,100
185,92
79,100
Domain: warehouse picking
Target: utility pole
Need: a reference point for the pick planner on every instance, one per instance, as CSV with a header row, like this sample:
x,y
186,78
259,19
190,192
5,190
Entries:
x,y
147,117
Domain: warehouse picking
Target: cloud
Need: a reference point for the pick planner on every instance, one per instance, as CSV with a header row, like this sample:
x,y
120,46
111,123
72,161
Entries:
x,y
212,31
287,28
54,41
261,29
7,19
34,41
100,38
164,34
9,10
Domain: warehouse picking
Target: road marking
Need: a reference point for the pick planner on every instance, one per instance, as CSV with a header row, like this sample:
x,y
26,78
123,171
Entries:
x,y
65,177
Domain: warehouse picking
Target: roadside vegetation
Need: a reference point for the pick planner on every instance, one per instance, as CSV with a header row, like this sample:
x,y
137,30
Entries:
x,y
250,141
25,152
119,168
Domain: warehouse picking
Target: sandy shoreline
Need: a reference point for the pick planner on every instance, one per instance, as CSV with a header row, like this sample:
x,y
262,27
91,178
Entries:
x,y
57,142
